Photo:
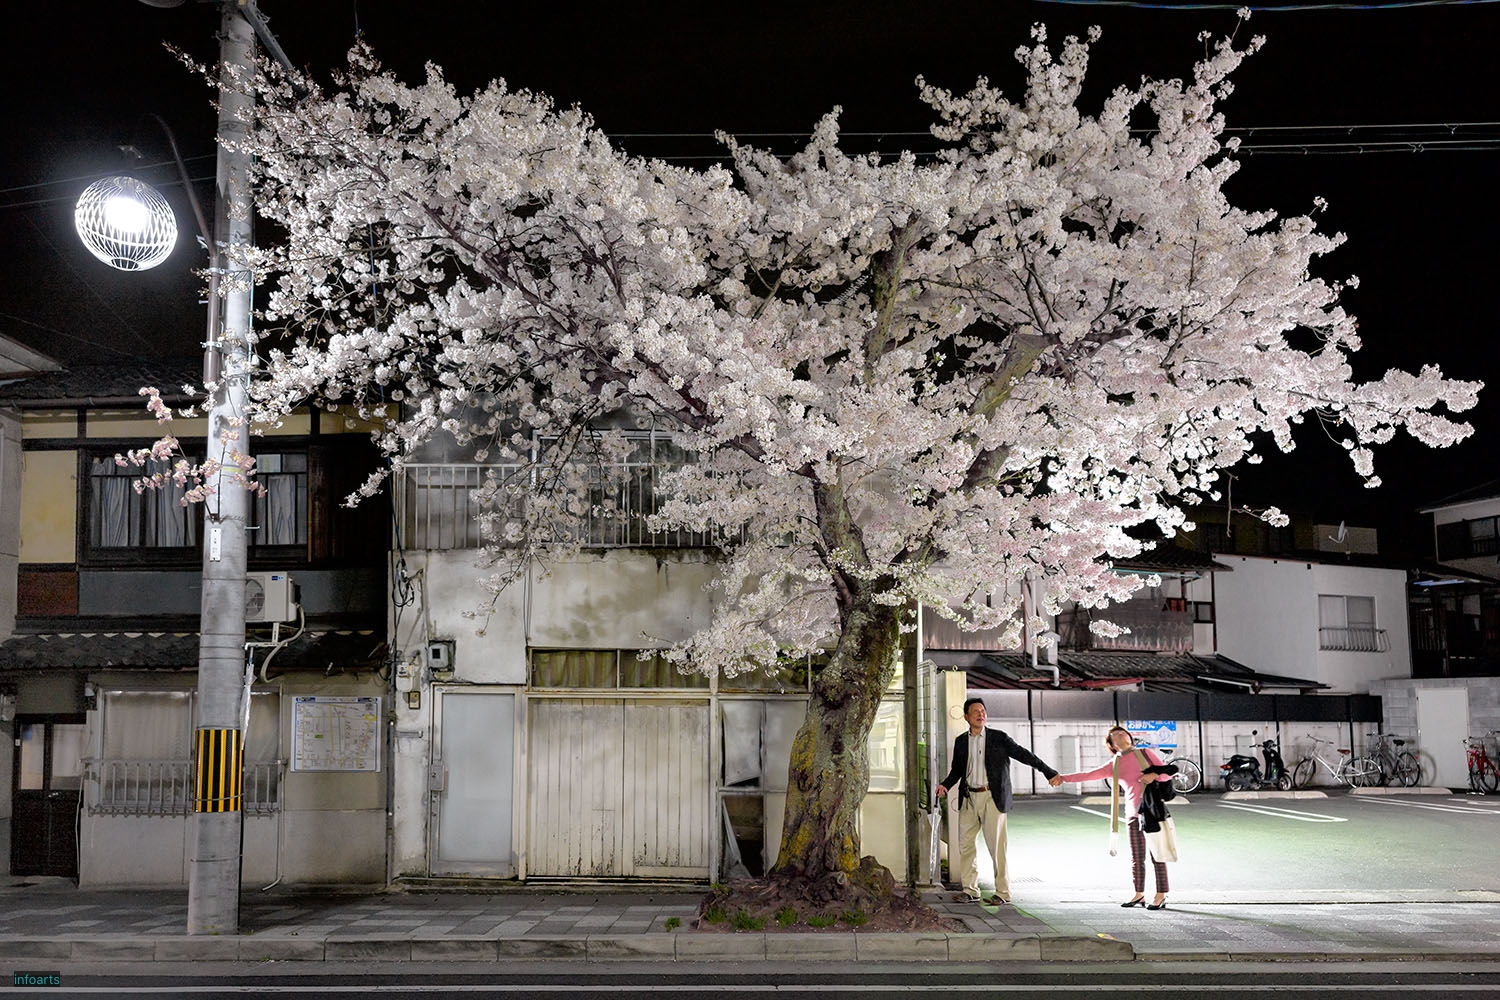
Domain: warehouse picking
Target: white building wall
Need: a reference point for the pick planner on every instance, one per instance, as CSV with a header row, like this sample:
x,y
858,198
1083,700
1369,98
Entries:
x,y
1267,612
1354,672
619,599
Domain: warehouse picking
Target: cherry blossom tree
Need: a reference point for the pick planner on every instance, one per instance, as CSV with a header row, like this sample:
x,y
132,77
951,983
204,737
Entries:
x,y
904,379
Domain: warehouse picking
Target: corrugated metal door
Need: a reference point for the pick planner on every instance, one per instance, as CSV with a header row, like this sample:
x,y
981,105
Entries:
x,y
618,788
575,787
666,788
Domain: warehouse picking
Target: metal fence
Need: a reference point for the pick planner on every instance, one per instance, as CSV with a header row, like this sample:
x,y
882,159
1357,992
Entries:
x,y
615,500
165,787
1354,640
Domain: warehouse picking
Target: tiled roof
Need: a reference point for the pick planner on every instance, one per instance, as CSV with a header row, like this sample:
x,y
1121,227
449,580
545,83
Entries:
x,y
1483,491
349,650
1172,558
115,381
1153,671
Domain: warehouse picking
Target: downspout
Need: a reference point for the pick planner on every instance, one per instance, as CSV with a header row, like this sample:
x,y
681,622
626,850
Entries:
x,y
1027,588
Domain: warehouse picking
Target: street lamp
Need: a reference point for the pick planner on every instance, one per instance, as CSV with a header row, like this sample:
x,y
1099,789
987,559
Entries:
x,y
125,223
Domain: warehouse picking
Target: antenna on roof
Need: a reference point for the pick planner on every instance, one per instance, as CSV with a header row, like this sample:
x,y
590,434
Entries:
x,y
1338,536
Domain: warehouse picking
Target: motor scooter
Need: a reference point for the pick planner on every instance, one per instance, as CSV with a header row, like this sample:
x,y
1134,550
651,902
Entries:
x,y
1243,773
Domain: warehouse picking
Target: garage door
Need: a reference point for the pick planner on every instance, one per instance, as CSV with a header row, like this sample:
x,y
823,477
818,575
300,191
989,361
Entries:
x,y
618,787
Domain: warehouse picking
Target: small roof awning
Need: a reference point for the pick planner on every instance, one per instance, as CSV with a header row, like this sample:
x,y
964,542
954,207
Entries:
x,y
1102,670
348,650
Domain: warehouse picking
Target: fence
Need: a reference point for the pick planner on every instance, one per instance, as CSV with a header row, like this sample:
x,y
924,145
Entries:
x,y
1354,640
165,787
439,510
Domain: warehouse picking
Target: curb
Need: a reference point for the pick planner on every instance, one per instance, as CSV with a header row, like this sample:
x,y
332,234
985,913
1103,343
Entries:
x,y
676,947
1467,955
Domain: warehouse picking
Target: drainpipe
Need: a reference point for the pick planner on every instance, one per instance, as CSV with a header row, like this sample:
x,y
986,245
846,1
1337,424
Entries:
x,y
1032,590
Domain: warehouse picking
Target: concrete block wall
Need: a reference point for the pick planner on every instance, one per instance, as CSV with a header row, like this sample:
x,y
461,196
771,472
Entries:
x,y
1399,702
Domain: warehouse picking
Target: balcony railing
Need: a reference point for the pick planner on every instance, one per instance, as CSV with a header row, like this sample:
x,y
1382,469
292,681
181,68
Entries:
x,y
1153,629
165,787
439,509
1360,639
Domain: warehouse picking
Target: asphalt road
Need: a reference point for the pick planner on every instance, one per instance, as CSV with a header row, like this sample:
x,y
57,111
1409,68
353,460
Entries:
x,y
1338,848
1226,980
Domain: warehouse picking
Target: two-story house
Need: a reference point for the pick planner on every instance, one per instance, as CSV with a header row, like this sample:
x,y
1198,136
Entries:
x,y
1454,601
537,737
98,659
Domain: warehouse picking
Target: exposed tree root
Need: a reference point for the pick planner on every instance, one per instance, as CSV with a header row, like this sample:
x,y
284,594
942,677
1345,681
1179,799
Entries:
x,y
864,899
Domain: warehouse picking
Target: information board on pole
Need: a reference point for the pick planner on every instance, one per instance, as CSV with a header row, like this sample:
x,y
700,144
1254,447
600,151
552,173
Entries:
x,y
334,733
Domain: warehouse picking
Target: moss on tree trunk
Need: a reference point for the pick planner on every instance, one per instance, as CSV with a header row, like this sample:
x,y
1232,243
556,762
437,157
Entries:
x,y
830,766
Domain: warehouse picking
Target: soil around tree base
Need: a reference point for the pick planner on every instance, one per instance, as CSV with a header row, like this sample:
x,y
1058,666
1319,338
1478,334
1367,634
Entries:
x,y
866,899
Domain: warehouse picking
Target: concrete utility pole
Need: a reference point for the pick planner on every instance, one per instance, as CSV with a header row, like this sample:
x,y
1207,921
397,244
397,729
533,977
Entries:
x,y
214,872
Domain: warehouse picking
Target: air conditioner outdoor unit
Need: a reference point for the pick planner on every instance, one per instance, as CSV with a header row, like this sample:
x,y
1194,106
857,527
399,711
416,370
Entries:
x,y
270,597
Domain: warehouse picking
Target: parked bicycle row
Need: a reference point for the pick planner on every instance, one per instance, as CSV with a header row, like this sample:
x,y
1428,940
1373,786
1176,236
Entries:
x,y
1484,773
1387,763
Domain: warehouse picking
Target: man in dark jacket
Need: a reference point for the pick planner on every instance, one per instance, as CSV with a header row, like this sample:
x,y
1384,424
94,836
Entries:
x,y
981,769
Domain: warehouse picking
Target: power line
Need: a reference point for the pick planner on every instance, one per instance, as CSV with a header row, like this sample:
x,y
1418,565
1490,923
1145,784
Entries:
x,y
1259,9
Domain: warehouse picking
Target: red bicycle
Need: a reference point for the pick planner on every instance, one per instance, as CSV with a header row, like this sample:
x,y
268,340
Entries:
x,y
1484,774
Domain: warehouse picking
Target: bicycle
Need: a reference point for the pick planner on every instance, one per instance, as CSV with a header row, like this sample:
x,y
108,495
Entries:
x,y
1356,772
1395,762
1189,776
1484,774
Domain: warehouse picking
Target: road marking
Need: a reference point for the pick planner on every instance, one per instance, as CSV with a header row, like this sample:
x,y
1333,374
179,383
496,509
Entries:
x,y
1305,817
1092,812
1447,809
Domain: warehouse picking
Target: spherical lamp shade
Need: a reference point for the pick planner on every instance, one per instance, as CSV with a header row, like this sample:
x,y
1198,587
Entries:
x,y
125,223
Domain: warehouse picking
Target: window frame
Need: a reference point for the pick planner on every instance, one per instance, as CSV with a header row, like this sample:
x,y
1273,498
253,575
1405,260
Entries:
x,y
92,555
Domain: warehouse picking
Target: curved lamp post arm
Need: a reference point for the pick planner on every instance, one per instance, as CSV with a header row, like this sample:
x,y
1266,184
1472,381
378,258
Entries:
x,y
212,359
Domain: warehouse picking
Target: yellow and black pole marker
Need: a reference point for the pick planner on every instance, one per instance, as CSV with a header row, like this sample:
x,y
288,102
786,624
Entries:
x,y
219,766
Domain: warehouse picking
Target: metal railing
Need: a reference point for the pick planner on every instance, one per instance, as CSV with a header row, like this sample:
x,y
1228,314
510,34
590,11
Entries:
x,y
1360,639
165,787
439,509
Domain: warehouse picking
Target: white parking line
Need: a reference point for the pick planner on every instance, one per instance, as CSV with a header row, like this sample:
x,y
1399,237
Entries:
x,y
1447,809
1091,812
1477,803
1305,817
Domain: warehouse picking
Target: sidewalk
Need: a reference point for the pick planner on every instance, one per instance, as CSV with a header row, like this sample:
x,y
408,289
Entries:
x,y
50,920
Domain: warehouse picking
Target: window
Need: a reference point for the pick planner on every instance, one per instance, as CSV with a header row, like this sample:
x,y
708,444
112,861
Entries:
x,y
1348,623
146,766
120,517
1468,539
607,669
122,521
279,517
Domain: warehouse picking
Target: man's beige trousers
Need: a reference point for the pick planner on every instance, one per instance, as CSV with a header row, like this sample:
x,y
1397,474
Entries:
x,y
981,813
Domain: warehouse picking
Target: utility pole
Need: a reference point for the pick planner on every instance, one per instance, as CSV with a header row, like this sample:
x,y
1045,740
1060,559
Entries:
x,y
218,748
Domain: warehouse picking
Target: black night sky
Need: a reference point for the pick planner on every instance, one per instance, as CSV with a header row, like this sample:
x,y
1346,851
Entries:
x,y
83,77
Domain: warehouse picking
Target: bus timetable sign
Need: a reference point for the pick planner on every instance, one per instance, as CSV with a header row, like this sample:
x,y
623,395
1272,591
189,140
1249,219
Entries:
x,y
1159,734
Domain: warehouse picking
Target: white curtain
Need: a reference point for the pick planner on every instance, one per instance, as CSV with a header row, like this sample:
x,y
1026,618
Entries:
x,y
148,725
122,518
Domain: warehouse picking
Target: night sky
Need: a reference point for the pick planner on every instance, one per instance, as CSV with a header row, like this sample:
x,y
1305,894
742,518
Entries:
x,y
83,77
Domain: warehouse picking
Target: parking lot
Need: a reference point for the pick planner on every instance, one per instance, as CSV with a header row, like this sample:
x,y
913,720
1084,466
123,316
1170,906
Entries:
x,y
1380,845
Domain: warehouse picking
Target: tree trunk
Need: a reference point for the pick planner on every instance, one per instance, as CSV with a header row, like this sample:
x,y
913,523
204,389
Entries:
x,y
830,766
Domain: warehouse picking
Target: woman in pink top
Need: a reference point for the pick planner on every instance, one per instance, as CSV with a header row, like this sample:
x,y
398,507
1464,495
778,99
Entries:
x,y
1131,786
